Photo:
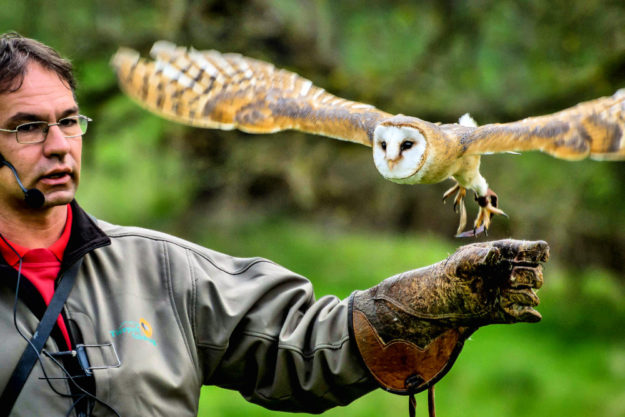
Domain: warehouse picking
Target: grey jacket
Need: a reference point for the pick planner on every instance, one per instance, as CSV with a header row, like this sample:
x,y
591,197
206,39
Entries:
x,y
179,316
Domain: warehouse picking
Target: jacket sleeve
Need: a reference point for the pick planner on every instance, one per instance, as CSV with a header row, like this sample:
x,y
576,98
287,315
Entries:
x,y
259,330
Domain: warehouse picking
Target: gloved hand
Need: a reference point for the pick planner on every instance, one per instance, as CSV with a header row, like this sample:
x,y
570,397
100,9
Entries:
x,y
411,327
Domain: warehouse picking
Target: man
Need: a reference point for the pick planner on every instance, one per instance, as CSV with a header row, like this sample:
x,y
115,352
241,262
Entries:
x,y
150,318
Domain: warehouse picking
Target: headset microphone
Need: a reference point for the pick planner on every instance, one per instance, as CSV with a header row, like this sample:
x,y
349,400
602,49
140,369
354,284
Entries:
x,y
33,197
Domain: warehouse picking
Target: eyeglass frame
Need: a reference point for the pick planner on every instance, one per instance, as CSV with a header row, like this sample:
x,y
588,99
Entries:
x,y
45,133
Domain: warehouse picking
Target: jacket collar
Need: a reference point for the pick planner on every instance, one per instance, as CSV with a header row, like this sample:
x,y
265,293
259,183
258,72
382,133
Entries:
x,y
86,236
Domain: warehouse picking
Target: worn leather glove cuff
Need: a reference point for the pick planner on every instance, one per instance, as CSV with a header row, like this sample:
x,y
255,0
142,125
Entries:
x,y
410,328
402,366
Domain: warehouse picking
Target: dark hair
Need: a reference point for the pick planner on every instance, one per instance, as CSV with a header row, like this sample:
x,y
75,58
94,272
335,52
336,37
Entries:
x,y
16,52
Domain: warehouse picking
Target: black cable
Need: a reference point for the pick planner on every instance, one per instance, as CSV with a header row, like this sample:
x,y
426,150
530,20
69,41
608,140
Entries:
x,y
85,392
15,301
30,343
74,405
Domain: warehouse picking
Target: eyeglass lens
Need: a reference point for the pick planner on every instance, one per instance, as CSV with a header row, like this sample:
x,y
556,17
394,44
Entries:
x,y
37,131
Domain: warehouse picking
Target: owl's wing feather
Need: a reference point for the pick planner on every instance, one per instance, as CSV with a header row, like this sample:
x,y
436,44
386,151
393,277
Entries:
x,y
594,129
229,91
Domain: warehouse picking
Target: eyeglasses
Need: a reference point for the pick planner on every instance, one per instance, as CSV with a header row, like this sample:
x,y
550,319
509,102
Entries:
x,y
37,132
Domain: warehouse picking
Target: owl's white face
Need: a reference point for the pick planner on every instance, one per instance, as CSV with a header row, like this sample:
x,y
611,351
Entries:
x,y
398,152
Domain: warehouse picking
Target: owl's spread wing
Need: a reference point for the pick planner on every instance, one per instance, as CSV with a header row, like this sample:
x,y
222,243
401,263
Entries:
x,y
229,91
594,128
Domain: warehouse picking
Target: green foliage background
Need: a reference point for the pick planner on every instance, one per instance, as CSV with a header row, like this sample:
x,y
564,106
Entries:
x,y
319,206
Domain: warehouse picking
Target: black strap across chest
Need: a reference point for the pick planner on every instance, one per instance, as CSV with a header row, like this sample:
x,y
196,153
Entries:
x,y
30,355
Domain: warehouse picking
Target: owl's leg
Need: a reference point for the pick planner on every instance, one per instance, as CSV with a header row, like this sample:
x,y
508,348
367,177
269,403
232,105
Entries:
x,y
459,207
488,208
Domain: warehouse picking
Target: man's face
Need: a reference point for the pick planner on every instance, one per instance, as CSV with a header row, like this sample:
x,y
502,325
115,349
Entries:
x,y
53,166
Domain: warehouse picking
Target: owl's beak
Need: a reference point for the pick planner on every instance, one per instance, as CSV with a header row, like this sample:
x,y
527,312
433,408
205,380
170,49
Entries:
x,y
391,163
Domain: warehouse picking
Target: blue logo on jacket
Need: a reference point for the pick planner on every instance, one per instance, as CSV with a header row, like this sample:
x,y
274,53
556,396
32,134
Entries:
x,y
141,330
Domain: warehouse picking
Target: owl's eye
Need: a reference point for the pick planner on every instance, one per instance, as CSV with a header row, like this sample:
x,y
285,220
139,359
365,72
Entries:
x,y
383,145
405,145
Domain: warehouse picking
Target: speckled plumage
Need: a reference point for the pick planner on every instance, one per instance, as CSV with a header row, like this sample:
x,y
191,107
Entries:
x,y
229,91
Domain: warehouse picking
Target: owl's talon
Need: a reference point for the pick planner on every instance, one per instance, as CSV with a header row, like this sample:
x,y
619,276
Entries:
x,y
459,206
449,192
488,209
473,232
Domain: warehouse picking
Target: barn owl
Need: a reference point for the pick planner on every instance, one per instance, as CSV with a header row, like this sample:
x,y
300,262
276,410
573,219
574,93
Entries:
x,y
209,89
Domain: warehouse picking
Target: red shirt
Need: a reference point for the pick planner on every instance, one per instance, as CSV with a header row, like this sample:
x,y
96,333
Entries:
x,y
41,266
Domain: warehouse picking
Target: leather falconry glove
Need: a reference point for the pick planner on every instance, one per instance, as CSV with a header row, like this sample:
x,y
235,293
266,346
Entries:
x,y
411,327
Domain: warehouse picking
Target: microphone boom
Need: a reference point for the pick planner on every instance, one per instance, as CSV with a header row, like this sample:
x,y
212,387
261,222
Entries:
x,y
33,197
